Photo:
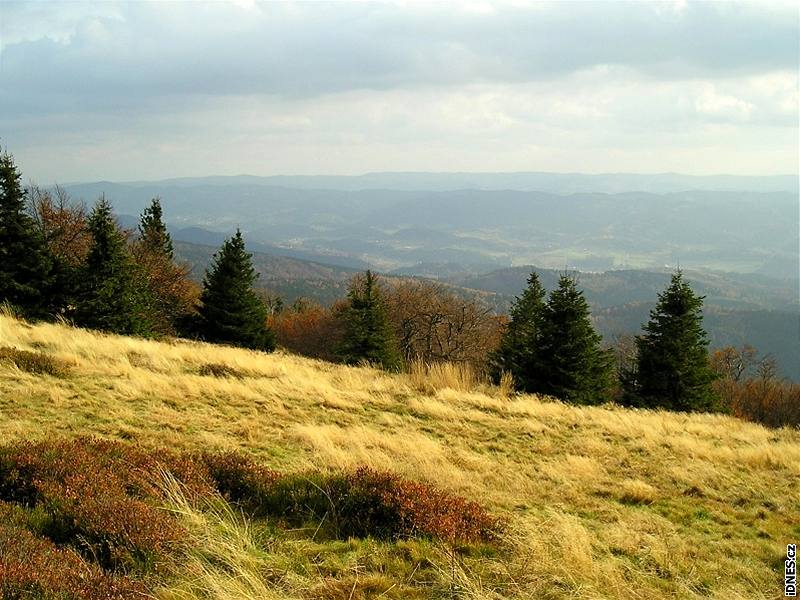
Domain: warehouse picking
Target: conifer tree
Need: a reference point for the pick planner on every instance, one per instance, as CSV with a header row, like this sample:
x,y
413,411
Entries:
x,y
367,334
520,344
171,295
153,232
109,298
672,367
572,366
25,264
231,312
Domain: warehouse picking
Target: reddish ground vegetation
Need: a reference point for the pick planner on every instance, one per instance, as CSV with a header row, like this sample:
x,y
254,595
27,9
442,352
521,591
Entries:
x,y
367,503
102,498
83,518
386,505
238,478
32,567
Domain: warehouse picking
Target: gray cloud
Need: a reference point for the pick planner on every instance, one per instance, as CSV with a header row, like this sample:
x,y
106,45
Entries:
x,y
309,49
187,71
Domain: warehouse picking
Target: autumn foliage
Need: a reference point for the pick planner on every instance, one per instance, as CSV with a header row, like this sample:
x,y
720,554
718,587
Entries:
x,y
433,323
101,498
309,329
429,322
749,388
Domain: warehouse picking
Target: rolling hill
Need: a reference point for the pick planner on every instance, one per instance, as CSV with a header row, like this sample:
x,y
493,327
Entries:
x,y
745,225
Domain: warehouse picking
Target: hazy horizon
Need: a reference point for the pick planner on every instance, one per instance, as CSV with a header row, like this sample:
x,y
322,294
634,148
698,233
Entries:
x,y
454,173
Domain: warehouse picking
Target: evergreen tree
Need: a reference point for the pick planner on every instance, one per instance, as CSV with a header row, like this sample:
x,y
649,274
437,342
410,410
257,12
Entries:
x,y
109,298
231,312
152,231
25,264
672,367
367,335
170,293
519,346
571,364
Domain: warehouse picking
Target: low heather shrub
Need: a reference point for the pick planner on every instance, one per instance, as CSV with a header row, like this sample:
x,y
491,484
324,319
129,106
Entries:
x,y
78,518
102,498
358,504
239,478
386,505
36,569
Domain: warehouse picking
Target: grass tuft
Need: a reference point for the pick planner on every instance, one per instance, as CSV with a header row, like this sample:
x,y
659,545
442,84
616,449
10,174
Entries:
x,y
37,363
431,377
220,370
634,491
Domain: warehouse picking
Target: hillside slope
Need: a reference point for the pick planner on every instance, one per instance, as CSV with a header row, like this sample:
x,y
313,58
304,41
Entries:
x,y
602,502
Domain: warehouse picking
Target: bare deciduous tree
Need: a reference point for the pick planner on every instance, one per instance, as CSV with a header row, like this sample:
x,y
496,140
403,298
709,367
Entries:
x,y
62,222
432,323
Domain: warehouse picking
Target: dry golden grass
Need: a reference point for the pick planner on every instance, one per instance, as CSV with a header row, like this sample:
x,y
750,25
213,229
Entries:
x,y
603,502
223,558
431,377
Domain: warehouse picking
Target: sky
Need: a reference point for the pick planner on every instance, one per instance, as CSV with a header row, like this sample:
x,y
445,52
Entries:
x,y
150,90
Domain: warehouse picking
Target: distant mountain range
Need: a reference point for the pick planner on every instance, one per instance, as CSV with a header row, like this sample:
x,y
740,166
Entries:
x,y
558,183
739,231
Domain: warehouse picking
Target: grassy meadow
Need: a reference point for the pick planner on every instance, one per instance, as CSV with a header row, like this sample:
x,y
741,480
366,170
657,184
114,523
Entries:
x,y
599,502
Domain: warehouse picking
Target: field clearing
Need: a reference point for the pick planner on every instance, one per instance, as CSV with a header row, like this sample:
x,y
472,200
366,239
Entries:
x,y
602,502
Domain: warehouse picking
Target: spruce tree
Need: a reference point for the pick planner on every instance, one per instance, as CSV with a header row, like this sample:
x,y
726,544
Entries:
x,y
153,232
367,335
571,364
109,298
672,367
25,263
519,347
172,296
231,312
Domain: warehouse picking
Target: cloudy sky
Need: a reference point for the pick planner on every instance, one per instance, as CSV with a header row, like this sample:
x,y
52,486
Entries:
x,y
138,90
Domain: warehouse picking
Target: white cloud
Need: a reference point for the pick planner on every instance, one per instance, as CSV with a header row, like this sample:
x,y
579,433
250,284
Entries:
x,y
723,106
142,90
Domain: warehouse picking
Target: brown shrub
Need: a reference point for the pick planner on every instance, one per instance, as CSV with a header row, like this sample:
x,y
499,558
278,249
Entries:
x,y
308,329
37,363
102,498
434,323
377,502
238,478
71,508
368,503
771,402
173,296
31,567
359,504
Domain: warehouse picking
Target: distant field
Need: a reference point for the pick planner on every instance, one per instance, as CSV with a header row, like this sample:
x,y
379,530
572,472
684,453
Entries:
x,y
601,502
